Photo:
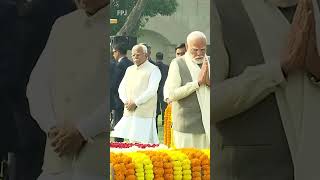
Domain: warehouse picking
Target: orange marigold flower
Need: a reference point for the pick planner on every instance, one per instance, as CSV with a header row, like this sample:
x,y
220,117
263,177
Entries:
x,y
158,171
131,177
198,154
158,164
205,162
168,176
156,158
130,166
167,165
206,167
120,177
196,178
195,162
206,177
129,172
159,177
203,157
117,167
196,174
196,168
168,171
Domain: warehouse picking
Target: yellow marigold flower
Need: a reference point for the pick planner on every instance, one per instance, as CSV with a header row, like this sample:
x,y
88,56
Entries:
x,y
140,174
149,176
186,166
138,165
148,166
186,172
177,163
149,171
187,177
147,161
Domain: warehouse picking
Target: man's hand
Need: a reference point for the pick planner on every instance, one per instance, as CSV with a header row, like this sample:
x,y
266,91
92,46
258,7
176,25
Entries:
x,y
203,73
295,53
66,141
205,63
131,106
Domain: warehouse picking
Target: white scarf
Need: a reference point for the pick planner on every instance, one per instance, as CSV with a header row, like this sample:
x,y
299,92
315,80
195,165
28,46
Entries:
x,y
203,93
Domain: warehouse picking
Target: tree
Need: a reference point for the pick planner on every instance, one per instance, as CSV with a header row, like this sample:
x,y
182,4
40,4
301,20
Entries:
x,y
138,14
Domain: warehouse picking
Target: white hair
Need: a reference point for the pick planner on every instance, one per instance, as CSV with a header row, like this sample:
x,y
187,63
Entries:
x,y
144,48
196,35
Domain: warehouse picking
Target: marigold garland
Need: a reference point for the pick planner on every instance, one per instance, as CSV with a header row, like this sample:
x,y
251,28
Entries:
x,y
200,163
163,164
122,166
167,131
181,165
143,166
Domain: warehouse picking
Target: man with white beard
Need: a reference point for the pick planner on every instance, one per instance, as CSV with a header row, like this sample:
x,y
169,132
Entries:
x,y
67,94
188,88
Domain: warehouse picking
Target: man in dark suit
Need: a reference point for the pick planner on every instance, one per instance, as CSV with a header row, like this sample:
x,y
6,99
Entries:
x,y
122,63
161,105
112,81
26,26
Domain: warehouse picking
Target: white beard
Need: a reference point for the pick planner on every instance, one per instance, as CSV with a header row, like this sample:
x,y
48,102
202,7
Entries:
x,y
197,61
283,3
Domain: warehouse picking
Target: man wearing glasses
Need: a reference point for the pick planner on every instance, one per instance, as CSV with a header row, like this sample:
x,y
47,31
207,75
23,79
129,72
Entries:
x,y
188,88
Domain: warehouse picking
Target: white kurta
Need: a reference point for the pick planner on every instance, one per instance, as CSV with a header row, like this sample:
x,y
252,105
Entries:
x,y
174,91
137,128
67,88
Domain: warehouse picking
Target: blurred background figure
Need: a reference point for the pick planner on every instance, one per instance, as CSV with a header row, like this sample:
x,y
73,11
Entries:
x,y
67,94
25,27
161,105
35,19
180,50
121,64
